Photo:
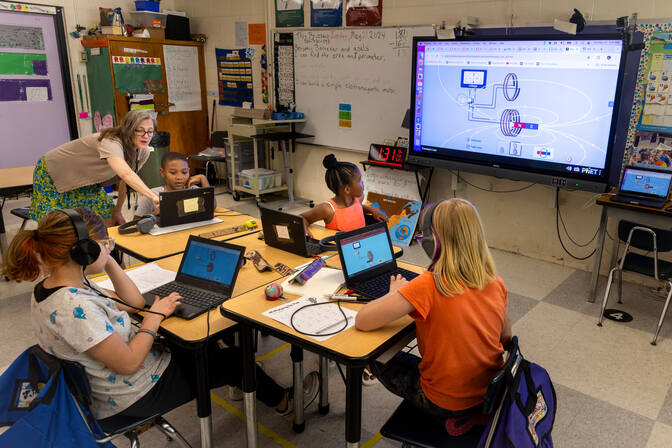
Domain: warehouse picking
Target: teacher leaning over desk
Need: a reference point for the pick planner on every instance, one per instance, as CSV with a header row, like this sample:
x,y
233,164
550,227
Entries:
x,y
73,174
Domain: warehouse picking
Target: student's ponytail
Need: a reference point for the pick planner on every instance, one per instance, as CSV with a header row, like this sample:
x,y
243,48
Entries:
x,y
21,259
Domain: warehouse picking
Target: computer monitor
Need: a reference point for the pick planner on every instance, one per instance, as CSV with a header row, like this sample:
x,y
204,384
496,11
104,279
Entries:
x,y
530,108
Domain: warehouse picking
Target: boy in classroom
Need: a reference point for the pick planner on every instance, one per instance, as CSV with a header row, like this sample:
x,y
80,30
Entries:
x,y
344,211
462,326
175,172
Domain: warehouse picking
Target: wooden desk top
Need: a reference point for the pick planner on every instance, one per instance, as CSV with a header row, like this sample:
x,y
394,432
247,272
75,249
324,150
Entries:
x,y
16,177
148,247
351,343
249,278
605,200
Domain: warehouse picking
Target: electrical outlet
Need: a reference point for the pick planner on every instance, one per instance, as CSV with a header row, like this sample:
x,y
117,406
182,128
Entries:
x,y
212,93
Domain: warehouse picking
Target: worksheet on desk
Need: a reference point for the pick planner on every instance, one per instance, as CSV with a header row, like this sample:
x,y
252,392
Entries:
x,y
316,320
146,278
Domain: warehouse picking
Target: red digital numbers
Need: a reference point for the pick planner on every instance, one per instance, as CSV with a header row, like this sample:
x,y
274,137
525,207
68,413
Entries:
x,y
384,153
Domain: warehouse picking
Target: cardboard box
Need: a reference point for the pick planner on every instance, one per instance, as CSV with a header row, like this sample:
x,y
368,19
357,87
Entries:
x,y
157,33
111,30
252,113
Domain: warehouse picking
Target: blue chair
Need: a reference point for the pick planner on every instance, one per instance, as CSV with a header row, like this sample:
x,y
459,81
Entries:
x,y
650,240
413,429
78,384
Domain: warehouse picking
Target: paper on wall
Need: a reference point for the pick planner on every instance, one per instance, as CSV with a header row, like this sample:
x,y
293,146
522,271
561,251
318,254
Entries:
x,y
37,94
182,77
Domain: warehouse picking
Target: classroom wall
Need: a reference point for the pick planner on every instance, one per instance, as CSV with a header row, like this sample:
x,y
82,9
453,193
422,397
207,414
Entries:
x,y
85,13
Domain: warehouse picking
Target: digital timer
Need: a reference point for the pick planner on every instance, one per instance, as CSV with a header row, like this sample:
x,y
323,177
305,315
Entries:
x,y
387,155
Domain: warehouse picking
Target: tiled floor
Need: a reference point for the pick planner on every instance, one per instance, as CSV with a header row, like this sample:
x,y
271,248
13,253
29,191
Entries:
x,y
613,388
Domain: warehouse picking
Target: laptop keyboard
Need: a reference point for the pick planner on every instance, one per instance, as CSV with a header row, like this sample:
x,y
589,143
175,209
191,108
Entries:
x,y
190,296
380,285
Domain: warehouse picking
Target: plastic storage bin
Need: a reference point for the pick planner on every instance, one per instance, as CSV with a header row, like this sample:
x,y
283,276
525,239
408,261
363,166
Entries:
x,y
146,6
147,19
265,180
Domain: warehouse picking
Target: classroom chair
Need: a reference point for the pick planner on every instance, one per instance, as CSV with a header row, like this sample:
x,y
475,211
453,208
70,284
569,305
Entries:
x,y
648,239
414,429
78,384
21,212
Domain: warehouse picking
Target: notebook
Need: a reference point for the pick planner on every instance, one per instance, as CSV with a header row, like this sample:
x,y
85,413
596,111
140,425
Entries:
x,y
644,186
368,260
287,232
186,206
206,276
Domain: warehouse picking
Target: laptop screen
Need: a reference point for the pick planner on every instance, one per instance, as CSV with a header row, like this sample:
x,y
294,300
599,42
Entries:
x,y
366,251
642,181
210,262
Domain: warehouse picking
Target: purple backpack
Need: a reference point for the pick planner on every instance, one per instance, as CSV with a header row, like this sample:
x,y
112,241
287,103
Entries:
x,y
528,412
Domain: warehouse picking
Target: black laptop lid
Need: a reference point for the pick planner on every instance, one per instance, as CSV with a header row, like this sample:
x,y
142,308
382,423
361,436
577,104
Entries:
x,y
186,206
365,252
645,182
210,264
284,231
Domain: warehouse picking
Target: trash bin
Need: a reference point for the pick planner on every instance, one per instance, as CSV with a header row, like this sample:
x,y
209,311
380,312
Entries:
x,y
149,173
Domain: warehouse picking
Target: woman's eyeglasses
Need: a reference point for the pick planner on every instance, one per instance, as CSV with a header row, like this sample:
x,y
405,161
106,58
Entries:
x,y
109,243
143,132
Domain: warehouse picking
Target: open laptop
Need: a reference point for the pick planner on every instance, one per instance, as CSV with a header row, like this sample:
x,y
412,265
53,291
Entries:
x,y
644,186
287,232
186,206
206,276
368,260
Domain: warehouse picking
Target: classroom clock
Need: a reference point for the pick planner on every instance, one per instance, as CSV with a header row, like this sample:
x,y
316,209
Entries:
x,y
387,155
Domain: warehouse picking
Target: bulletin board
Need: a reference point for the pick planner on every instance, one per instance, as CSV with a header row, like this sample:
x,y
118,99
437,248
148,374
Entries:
x,y
649,140
37,112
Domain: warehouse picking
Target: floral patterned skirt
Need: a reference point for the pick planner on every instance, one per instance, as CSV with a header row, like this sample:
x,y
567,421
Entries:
x,y
46,198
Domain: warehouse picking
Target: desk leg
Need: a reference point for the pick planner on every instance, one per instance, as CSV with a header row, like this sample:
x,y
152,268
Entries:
x,y
353,406
324,386
249,386
598,255
297,359
203,404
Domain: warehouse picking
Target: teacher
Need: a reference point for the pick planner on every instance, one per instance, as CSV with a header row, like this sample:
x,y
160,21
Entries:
x,y
73,175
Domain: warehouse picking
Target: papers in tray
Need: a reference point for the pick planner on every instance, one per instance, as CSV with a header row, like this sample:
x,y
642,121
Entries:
x,y
156,230
325,281
146,278
314,320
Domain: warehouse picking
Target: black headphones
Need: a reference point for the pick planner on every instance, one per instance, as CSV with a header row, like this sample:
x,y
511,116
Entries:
x,y
85,251
430,243
142,225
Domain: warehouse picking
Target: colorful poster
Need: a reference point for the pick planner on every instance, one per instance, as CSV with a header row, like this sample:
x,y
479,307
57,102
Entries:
x,y
288,13
402,215
657,103
257,33
137,74
23,37
326,13
23,64
234,77
284,71
364,13
25,90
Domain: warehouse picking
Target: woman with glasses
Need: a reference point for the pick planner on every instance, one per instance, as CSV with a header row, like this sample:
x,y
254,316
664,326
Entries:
x,y
73,175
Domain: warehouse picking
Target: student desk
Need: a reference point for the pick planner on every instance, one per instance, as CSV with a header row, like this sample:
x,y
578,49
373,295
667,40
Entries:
x,y
148,248
647,216
194,335
352,347
14,181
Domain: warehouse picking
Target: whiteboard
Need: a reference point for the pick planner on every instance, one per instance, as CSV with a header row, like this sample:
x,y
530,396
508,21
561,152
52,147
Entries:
x,y
182,77
360,74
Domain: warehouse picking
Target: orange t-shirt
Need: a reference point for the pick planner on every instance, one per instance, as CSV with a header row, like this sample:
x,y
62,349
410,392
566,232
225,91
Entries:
x,y
348,218
458,338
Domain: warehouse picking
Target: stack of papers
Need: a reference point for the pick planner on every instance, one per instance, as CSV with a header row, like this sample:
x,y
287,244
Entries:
x,y
146,278
315,320
325,281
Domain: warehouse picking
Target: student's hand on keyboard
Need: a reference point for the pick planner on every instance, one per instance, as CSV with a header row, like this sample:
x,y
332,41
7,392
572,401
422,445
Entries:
x,y
167,304
396,282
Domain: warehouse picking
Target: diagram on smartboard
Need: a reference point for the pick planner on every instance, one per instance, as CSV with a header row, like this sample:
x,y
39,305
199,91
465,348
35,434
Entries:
x,y
522,112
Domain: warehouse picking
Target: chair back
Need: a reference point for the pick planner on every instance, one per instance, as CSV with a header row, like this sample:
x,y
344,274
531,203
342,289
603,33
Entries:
x,y
73,372
497,386
644,240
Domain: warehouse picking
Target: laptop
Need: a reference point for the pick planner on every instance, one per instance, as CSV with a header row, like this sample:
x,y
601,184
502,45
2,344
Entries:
x,y
287,232
186,206
368,260
206,276
644,186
